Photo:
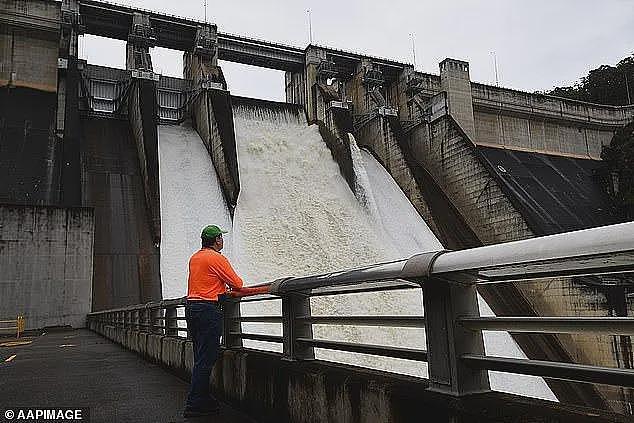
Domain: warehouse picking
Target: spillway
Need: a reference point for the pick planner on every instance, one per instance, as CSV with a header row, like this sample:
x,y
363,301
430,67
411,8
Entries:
x,y
409,231
190,199
412,234
295,216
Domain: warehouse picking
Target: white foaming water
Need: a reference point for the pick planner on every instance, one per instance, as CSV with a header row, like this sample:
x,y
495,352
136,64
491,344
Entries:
x,y
410,232
297,216
362,181
394,212
190,199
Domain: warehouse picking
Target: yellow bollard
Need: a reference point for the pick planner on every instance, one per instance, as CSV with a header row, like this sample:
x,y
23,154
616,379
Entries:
x,y
20,325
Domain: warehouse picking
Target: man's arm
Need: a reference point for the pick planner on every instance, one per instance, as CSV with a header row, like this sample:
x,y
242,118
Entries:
x,y
246,291
231,278
228,275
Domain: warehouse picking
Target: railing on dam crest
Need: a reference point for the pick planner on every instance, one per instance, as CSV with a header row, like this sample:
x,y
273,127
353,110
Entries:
x,y
457,363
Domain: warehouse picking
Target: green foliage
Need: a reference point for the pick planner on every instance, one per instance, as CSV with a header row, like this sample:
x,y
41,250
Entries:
x,y
619,158
610,85
604,85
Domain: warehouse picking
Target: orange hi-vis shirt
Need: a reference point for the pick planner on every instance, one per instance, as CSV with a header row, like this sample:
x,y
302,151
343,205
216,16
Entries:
x,y
209,274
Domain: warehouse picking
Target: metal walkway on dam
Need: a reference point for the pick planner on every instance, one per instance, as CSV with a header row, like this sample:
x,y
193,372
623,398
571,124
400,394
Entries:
x,y
80,369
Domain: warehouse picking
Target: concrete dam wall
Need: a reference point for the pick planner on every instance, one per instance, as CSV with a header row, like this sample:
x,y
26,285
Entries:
x,y
30,154
46,262
126,267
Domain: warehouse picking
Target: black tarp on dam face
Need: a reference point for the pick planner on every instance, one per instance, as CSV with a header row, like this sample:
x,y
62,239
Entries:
x,y
554,193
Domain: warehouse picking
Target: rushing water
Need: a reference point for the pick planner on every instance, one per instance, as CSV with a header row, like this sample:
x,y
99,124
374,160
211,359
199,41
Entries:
x,y
297,216
411,233
190,199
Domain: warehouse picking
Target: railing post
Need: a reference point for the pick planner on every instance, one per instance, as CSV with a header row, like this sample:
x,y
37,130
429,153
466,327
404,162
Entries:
x,y
231,326
294,306
155,313
171,323
447,340
143,319
137,320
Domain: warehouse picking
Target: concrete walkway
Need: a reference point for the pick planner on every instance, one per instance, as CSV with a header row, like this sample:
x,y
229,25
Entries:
x,y
78,368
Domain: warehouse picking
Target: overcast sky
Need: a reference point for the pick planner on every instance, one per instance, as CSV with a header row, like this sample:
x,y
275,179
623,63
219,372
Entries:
x,y
538,43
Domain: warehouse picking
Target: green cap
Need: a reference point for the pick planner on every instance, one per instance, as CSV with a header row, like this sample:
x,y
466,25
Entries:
x,y
211,231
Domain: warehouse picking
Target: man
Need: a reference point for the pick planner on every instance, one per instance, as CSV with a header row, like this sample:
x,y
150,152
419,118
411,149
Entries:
x,y
209,275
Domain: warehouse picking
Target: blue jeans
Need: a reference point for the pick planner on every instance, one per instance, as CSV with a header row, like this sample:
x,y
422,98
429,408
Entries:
x,y
204,322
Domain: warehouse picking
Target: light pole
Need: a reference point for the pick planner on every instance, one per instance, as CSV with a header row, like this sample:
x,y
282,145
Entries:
x,y
495,65
310,27
627,88
413,49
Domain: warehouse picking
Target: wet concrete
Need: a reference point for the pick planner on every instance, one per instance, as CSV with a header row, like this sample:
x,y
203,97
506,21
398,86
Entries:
x,y
78,368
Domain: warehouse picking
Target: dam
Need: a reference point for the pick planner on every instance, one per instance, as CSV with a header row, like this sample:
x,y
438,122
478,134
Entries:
x,y
368,161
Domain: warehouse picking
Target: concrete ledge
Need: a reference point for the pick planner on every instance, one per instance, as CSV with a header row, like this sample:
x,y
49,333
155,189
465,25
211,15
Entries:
x,y
154,347
132,340
188,356
125,339
142,344
109,332
172,353
119,336
273,390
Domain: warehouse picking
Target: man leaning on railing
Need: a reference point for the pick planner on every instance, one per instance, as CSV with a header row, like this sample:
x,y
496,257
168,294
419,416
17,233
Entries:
x,y
209,275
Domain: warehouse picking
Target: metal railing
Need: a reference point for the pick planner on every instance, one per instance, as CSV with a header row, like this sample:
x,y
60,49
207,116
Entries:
x,y
157,317
17,326
457,363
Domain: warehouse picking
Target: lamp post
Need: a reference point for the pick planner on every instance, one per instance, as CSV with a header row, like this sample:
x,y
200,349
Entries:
x,y
413,49
627,88
310,27
495,65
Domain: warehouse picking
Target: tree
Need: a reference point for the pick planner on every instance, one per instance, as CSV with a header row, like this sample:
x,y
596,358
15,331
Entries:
x,y
604,85
612,85
619,158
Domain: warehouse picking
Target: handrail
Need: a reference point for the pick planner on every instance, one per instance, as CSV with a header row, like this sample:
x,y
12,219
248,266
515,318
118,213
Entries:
x,y
457,363
570,252
604,325
601,250
556,370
